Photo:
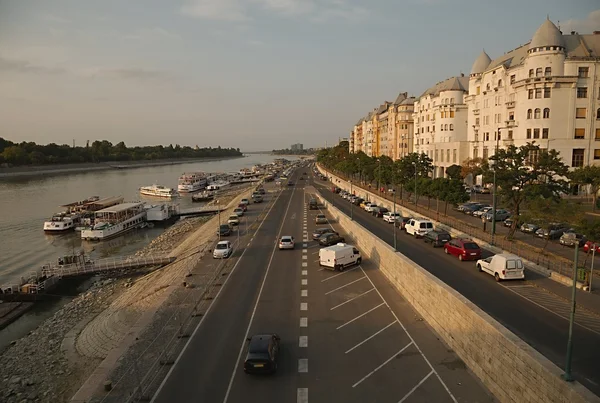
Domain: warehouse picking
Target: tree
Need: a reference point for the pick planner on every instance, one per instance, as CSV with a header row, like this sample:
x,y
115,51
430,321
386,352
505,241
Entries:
x,y
411,166
590,176
455,172
473,167
526,173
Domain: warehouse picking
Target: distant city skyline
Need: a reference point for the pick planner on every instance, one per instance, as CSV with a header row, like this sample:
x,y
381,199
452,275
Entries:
x,y
254,74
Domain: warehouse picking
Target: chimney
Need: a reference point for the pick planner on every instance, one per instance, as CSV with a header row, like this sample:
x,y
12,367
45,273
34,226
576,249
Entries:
x,y
462,74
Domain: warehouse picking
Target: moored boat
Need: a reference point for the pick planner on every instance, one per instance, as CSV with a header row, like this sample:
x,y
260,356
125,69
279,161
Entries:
x,y
76,212
158,191
115,220
191,182
203,196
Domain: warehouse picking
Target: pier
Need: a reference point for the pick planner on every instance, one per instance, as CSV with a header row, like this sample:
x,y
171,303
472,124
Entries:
x,y
205,210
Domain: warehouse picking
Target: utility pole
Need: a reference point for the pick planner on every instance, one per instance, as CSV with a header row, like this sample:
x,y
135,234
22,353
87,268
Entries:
x,y
394,223
494,198
567,376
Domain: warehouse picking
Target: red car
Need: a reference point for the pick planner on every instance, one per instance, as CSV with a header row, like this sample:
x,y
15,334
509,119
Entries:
x,y
465,249
588,248
243,206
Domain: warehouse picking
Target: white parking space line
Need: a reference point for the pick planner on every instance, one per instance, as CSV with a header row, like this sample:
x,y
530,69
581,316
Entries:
x,y
303,322
339,274
304,281
302,395
369,338
303,365
345,285
304,264
304,272
303,341
415,388
304,293
352,299
359,316
379,367
304,306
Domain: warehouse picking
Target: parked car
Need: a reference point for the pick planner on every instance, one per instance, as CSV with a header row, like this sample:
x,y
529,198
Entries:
x,y
501,215
481,211
572,239
286,242
371,208
363,204
469,210
312,204
358,201
476,189
243,206
401,223
503,267
263,350
321,219
418,227
224,230
222,250
258,199
391,217
239,211
485,191
245,201
554,231
233,220
437,237
529,228
330,239
380,212
320,231
588,247
465,249
508,222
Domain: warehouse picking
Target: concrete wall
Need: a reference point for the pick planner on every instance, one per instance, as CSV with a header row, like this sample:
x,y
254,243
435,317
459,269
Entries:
x,y
510,369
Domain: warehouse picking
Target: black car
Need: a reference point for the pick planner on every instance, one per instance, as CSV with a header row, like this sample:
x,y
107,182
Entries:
x,y
437,237
402,222
330,239
312,204
320,231
357,201
290,183
380,212
262,354
224,230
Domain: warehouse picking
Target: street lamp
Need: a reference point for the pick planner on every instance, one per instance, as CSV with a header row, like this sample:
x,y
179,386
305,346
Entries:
x,y
567,376
415,164
351,203
394,201
494,198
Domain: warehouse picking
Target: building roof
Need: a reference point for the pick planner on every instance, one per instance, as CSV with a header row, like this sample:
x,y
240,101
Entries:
x,y
401,97
120,207
547,35
383,107
408,101
359,122
459,83
481,63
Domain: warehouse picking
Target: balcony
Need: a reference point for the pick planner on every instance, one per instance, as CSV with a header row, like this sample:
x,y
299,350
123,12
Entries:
x,y
508,142
510,104
476,111
512,123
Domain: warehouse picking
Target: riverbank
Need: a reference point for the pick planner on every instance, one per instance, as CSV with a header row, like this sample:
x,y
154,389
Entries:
x,y
24,171
53,361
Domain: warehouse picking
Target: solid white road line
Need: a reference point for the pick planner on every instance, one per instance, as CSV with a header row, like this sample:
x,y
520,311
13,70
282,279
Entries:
x,y
351,299
303,341
302,395
359,316
415,388
345,285
304,272
304,293
339,274
304,306
303,322
369,338
304,281
303,365
379,367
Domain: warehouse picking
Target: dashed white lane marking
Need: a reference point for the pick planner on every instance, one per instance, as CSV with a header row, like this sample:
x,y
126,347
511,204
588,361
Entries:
x,y
304,257
302,395
304,306
304,272
379,367
303,341
415,388
351,299
305,245
345,285
304,250
339,274
359,316
304,293
304,281
304,264
303,322
369,338
303,365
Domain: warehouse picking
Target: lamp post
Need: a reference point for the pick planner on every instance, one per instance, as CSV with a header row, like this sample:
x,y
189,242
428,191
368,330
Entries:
x,y
415,164
219,214
567,376
394,223
351,203
495,189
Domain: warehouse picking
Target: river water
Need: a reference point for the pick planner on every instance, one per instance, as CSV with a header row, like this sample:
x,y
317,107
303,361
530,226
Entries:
x,y
25,203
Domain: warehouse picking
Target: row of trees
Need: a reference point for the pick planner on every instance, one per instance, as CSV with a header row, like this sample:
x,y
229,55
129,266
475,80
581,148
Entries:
x,y
287,151
531,181
30,153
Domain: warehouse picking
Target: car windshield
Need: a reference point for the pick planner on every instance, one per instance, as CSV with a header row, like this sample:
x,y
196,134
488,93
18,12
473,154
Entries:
x,y
471,245
286,239
222,246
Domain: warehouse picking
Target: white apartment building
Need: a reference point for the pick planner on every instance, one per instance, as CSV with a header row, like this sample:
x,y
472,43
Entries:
x,y
404,131
369,144
440,124
547,92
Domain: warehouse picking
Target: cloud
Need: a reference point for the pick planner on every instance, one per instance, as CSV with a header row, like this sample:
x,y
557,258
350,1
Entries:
x,y
585,26
152,34
224,10
23,66
255,42
126,73
289,7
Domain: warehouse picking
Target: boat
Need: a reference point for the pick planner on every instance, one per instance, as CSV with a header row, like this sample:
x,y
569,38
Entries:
x,y
218,185
77,212
61,222
203,196
191,182
158,191
161,212
115,220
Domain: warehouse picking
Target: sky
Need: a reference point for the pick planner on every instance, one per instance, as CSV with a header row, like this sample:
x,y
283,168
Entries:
x,y
253,74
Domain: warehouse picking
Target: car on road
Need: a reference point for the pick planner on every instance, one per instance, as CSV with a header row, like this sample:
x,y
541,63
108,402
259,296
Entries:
x,y
469,210
503,267
321,219
401,223
239,211
588,247
320,231
481,211
391,217
417,227
222,250
529,228
501,215
572,239
372,207
554,231
380,212
224,230
243,207
437,238
313,205
286,242
261,357
245,201
258,199
330,239
465,249
233,220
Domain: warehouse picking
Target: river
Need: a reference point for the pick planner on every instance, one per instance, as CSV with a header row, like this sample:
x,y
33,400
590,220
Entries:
x,y
25,203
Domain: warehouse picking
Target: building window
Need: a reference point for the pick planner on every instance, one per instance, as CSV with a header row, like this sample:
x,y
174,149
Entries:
x,y
533,156
451,114
513,78
454,155
579,133
530,73
529,111
475,153
597,138
581,92
545,133
547,92
577,160
487,87
441,128
536,113
485,153
436,155
510,134
548,71
538,93
478,90
584,72
477,119
487,136
528,133
448,155
451,127
476,137
530,94
598,114
538,72
546,113
580,113
451,101
597,154
536,133
499,83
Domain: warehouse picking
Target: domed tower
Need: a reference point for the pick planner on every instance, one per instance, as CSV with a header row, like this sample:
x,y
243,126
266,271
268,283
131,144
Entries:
x,y
482,62
546,51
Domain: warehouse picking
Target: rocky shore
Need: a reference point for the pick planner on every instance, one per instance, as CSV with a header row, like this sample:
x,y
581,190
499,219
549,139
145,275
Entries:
x,y
48,365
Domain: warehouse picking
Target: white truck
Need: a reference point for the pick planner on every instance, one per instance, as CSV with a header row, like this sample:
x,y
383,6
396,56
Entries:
x,y
503,267
338,257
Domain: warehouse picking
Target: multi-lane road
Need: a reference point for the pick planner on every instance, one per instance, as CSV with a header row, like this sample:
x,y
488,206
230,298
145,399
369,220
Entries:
x,y
345,337
538,317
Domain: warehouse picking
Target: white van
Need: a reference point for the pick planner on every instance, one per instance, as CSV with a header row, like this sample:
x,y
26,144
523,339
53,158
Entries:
x,y
418,227
339,256
503,267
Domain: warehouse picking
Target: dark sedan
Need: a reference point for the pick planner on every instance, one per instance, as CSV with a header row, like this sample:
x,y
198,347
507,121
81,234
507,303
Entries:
x,y
320,231
331,239
401,223
224,230
380,212
262,354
